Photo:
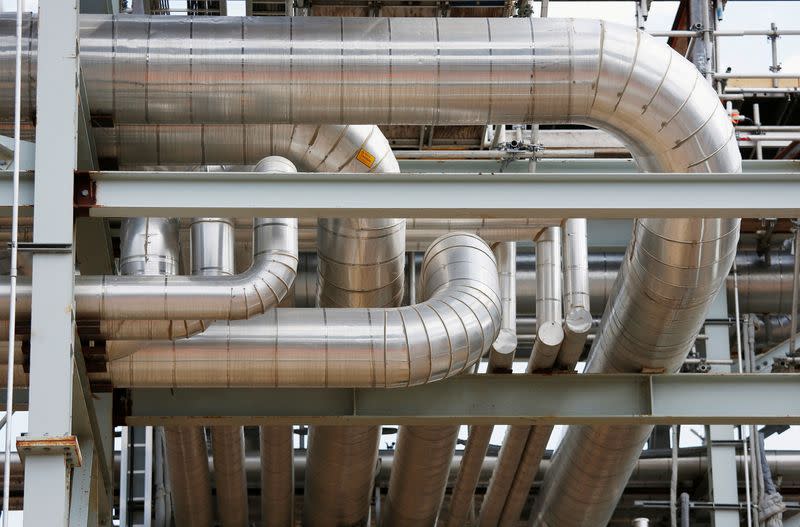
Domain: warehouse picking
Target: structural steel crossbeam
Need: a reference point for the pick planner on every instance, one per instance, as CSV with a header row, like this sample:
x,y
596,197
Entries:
x,y
483,399
240,194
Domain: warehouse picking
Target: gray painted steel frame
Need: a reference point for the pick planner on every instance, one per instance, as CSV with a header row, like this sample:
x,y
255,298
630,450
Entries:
x,y
485,399
48,478
721,450
420,195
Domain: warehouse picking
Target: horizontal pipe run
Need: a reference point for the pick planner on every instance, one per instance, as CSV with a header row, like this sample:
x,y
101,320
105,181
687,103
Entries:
x,y
438,338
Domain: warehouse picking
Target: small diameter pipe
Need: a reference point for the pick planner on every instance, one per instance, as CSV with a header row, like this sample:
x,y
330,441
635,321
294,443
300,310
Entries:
x,y
685,506
12,308
795,288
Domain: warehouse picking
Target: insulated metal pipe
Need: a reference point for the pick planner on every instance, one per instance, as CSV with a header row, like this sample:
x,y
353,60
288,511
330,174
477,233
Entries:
x,y
501,359
388,347
469,472
577,310
241,296
419,476
501,356
149,246
547,70
211,244
277,476
227,446
361,263
187,459
212,247
342,461
549,331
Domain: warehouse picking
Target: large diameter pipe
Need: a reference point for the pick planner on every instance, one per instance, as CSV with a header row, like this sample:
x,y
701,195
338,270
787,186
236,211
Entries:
x,y
361,264
227,446
673,268
593,463
209,85
438,338
277,476
187,459
342,461
419,476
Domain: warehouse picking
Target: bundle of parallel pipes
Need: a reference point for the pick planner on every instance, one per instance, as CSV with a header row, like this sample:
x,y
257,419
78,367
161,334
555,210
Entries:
x,y
283,93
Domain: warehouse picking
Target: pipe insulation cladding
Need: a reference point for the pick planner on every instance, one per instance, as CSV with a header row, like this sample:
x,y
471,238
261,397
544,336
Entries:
x,y
309,70
343,347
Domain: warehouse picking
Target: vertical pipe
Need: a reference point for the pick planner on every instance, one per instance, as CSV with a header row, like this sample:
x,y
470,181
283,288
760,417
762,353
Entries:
x,y
757,122
673,484
795,288
577,310
419,475
501,359
149,246
277,476
776,67
707,43
12,308
212,241
187,459
685,506
549,333
501,356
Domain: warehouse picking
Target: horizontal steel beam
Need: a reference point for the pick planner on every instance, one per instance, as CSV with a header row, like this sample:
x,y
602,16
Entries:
x,y
486,399
239,194
597,168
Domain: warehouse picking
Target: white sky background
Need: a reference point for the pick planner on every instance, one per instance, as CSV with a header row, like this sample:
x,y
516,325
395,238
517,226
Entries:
x,y
742,54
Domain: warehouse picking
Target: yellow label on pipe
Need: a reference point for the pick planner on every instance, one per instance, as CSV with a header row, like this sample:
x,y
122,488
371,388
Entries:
x,y
365,158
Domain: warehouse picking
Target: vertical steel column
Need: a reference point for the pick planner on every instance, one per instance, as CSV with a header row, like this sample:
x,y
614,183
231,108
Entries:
x,y
47,478
721,451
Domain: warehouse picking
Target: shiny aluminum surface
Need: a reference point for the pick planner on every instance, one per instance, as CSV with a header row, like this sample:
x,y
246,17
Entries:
x,y
147,243
577,308
671,120
469,473
175,297
212,247
341,467
277,476
441,337
230,479
360,265
187,459
419,476
501,357
518,70
148,246
212,255
549,310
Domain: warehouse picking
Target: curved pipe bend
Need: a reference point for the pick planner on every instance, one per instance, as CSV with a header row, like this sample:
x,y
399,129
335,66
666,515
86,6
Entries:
x,y
166,299
359,347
